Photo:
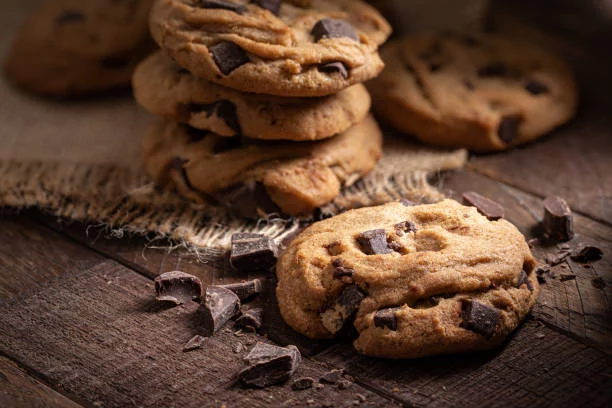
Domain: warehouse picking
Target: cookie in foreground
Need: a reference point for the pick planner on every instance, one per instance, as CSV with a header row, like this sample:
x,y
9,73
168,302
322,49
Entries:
x,y
414,281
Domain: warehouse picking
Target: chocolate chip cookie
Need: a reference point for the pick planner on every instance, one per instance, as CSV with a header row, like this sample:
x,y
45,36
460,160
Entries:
x,y
167,90
75,47
289,48
412,280
483,92
285,177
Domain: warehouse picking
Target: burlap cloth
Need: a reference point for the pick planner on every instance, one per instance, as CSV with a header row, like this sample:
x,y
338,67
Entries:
x,y
80,160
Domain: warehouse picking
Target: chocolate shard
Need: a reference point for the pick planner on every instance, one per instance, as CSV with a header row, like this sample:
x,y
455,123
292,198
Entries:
x,y
272,6
340,270
250,200
335,67
194,343
479,318
587,253
219,306
177,287
333,28
344,310
558,221
535,87
251,319
524,280
487,207
332,377
221,4
269,365
302,383
70,16
228,56
404,227
252,252
386,318
374,242
556,259
246,289
508,128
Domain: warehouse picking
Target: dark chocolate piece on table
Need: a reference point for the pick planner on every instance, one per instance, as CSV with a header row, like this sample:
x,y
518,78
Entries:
x,y
558,221
221,4
374,242
269,365
556,259
508,128
335,67
332,377
252,318
587,253
194,343
245,290
177,287
219,306
344,310
228,56
479,318
252,252
386,318
302,383
487,207
271,5
333,28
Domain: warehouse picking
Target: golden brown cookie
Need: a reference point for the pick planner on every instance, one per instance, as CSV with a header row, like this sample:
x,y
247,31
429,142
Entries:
x,y
291,177
414,280
482,92
167,90
75,47
289,48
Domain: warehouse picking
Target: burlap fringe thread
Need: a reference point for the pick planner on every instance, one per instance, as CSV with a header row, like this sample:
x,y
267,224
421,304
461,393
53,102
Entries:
x,y
125,201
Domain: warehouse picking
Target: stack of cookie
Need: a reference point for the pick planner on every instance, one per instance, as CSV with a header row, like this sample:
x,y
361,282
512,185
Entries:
x,y
263,106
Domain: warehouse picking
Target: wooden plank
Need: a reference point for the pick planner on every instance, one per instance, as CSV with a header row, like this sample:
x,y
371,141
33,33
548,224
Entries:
x,y
576,305
20,390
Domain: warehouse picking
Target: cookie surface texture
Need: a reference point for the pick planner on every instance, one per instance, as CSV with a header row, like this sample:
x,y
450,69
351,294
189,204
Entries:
x,y
165,89
297,176
418,280
482,92
305,48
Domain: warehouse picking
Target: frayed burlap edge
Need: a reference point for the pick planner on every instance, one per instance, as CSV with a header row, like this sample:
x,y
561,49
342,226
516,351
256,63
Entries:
x,y
125,201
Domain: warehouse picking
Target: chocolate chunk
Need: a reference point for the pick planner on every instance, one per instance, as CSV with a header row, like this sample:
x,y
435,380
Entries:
x,y
566,277
219,306
557,258
524,280
558,221
386,318
302,383
396,246
269,365
70,16
407,203
221,4
542,272
332,377
494,69
227,144
195,343
252,252
487,207
374,242
114,62
177,287
535,87
332,28
252,318
271,5
598,282
341,271
587,253
335,67
508,128
246,289
479,318
343,310
404,227
228,56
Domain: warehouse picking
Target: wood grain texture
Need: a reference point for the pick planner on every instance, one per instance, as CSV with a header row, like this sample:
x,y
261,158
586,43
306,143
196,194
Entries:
x,y
20,390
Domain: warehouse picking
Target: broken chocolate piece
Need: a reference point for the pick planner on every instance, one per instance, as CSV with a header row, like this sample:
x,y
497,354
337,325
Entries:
x,y
558,221
219,306
228,56
335,67
494,69
386,318
269,365
404,227
556,259
70,16
333,28
587,253
542,272
487,207
374,242
508,128
479,318
271,5
177,287
252,318
221,4
341,271
535,87
332,377
246,289
195,343
524,280
396,246
252,252
302,383
343,310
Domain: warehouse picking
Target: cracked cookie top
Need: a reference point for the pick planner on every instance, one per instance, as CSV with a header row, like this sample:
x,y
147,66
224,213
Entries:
x,y
412,280
287,48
